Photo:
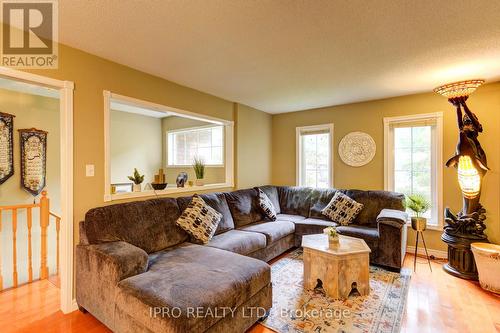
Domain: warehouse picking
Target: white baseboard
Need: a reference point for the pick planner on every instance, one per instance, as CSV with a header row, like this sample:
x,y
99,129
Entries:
x,y
421,251
74,305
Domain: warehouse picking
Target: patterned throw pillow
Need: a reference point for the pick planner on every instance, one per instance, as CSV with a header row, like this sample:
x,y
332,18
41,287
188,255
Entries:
x,y
199,220
266,205
342,209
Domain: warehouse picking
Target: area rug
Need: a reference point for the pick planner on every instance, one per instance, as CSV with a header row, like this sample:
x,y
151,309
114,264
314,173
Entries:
x,y
298,310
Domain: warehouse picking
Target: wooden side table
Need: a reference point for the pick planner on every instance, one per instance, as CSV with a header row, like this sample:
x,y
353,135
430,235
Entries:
x,y
340,268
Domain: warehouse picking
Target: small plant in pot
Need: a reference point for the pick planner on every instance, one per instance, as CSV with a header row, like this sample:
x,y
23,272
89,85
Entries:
x,y
199,170
333,236
137,178
418,204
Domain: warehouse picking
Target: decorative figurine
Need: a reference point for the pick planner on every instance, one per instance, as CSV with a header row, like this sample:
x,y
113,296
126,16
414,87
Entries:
x,y
181,179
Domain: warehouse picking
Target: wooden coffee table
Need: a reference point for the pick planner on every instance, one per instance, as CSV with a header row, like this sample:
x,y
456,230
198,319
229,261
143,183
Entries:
x,y
340,268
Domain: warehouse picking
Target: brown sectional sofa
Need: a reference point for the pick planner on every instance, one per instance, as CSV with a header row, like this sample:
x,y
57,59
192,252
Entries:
x,y
132,258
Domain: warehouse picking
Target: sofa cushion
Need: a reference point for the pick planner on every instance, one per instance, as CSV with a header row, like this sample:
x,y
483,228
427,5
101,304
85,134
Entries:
x,y
316,222
374,202
311,226
190,276
218,202
199,220
241,242
368,234
272,194
273,230
244,206
149,225
358,231
266,205
342,209
295,200
290,217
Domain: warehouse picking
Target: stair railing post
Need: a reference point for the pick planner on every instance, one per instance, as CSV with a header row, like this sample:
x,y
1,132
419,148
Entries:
x,y
14,248
44,224
29,218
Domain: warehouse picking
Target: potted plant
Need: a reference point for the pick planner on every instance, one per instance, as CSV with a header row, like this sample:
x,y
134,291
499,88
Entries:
x,y
199,170
418,204
137,178
333,236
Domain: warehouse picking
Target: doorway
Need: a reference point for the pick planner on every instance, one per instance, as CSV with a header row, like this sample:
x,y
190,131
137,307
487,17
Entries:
x,y
55,97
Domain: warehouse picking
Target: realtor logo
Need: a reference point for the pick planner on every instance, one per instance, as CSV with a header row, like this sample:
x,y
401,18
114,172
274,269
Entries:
x,y
29,33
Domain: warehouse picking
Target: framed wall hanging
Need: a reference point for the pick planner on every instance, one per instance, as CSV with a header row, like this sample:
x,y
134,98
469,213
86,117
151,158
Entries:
x,y
33,159
6,146
357,149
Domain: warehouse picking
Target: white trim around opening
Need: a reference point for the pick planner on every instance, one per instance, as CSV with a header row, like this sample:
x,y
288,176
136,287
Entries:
x,y
65,89
299,131
133,102
435,118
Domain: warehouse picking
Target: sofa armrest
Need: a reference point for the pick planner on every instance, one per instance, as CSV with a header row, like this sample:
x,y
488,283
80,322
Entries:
x,y
392,217
393,233
99,268
114,260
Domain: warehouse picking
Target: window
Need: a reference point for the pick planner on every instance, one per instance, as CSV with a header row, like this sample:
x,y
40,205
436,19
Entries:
x,y
202,142
314,156
413,159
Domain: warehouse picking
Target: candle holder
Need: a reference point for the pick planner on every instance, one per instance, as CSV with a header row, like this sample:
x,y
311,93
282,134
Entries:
x,y
159,183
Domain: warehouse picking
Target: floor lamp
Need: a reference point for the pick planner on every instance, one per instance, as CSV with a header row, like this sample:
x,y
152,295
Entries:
x,y
470,161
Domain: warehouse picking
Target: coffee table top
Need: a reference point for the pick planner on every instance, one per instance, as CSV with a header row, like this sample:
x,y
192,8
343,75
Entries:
x,y
347,245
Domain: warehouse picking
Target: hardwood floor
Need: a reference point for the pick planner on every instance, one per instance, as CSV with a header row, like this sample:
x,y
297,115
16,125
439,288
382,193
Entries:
x,y
33,308
437,302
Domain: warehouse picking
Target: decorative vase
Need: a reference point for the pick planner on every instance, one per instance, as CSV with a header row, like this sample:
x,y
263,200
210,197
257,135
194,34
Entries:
x,y
487,258
136,187
199,182
333,240
419,223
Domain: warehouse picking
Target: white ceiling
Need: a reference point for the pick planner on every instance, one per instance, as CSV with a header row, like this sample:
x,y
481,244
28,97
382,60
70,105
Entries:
x,y
286,55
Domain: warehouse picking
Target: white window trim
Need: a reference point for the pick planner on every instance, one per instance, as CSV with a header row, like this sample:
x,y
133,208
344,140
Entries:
x,y
389,157
298,150
189,165
228,147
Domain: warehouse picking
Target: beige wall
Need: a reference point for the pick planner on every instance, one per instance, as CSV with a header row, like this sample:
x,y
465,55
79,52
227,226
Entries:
x,y
91,76
135,142
213,175
367,117
41,113
253,149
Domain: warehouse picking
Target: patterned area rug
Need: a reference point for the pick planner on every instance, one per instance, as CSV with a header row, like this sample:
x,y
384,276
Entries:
x,y
298,310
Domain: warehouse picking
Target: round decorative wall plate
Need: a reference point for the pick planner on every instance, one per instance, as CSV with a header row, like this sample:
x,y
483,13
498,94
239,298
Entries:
x,y
357,149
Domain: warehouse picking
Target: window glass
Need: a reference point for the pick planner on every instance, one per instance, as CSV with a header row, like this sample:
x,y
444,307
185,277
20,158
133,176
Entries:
x,y
315,157
414,163
205,143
